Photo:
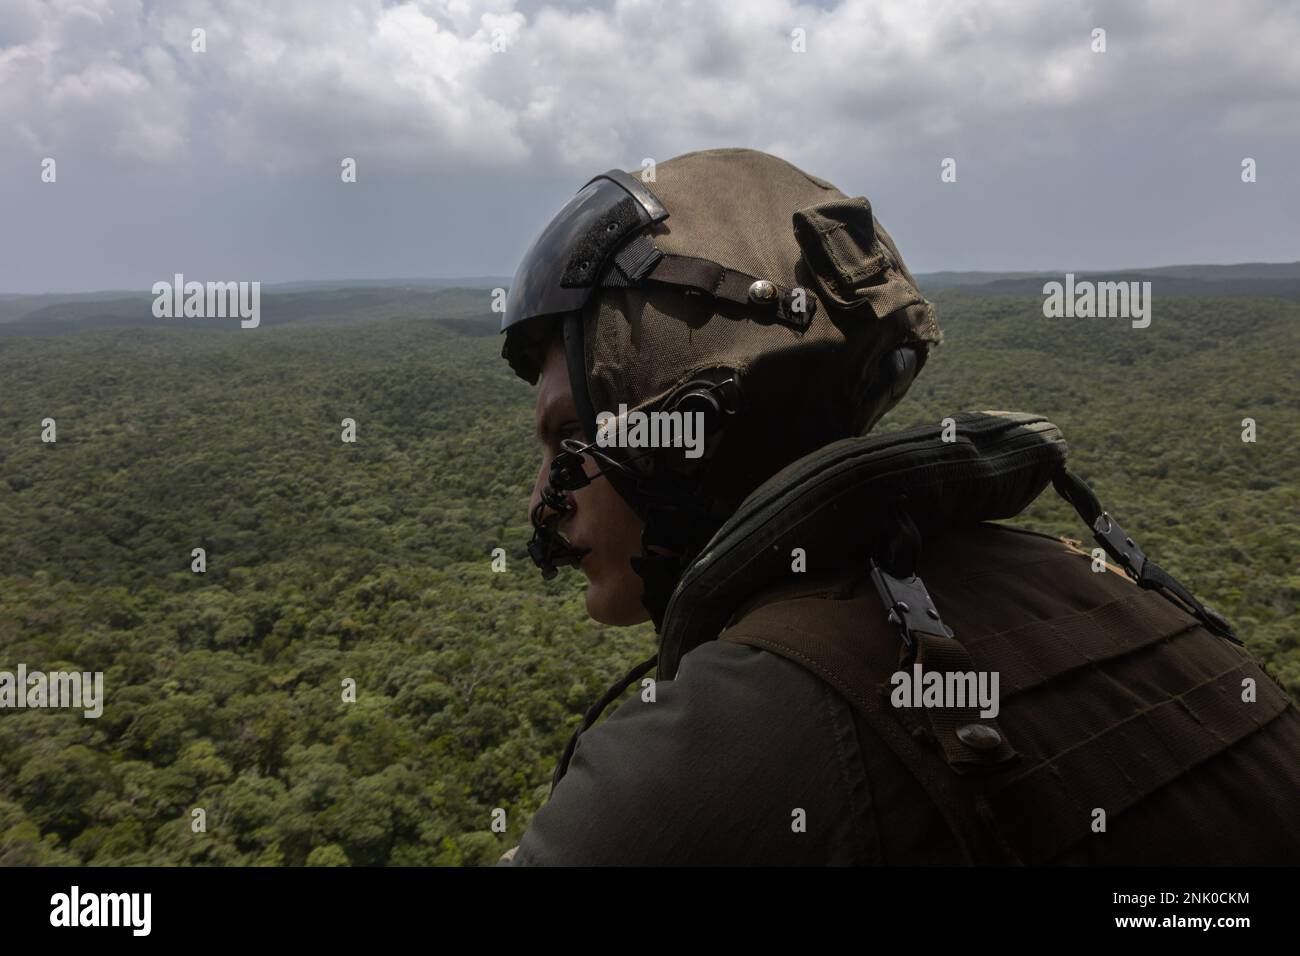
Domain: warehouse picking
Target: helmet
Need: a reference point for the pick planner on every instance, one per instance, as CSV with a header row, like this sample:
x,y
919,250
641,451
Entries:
x,y
726,282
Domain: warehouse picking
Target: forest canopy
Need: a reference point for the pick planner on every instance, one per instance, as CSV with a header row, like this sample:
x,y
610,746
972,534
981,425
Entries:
x,y
372,561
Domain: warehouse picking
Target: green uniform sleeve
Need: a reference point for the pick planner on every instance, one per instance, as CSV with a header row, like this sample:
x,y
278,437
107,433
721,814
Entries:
x,y
744,759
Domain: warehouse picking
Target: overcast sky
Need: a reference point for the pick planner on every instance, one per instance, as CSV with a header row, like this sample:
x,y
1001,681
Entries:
x,y
225,164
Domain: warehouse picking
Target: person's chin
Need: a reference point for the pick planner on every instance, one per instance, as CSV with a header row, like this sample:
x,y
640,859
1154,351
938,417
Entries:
x,y
610,609
597,603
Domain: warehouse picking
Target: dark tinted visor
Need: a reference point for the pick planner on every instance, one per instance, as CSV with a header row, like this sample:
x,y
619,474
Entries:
x,y
564,264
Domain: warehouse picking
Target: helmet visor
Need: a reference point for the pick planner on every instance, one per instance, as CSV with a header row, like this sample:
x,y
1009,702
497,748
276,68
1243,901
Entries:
x,y
563,266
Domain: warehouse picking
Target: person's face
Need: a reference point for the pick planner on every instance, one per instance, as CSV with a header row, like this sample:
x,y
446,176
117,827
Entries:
x,y
600,520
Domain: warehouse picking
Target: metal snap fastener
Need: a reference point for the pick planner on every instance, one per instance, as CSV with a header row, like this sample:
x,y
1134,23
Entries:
x,y
762,291
979,736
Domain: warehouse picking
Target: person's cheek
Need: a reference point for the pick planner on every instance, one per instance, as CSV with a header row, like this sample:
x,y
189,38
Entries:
x,y
586,525
538,484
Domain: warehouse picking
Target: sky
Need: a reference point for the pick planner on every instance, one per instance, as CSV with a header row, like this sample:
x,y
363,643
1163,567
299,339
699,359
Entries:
x,y
472,123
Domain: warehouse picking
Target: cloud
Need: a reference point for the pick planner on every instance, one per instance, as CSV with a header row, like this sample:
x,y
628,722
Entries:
x,y
525,99
421,82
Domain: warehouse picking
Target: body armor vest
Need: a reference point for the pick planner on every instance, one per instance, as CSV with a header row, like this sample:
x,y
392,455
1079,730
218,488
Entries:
x,y
1131,726
1116,710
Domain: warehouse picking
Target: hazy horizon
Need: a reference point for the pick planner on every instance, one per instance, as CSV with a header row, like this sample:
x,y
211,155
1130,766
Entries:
x,y
474,281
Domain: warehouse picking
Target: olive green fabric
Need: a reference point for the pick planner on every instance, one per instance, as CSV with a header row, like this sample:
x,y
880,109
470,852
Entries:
x,y
713,771
1116,700
803,388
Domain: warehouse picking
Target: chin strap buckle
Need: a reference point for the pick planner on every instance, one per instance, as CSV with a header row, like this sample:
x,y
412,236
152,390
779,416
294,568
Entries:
x,y
909,604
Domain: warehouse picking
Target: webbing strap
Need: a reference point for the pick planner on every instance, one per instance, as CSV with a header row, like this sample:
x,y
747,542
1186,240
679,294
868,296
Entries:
x,y
1037,813
641,261
849,669
1068,644
969,741
1126,553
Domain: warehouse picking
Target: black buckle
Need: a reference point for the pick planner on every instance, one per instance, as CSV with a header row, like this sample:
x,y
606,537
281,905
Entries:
x,y
1116,542
909,604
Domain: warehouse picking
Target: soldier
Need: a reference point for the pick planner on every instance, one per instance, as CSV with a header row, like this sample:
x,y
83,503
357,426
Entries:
x,y
800,571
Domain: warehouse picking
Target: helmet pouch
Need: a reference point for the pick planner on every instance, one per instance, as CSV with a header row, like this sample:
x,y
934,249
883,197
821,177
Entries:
x,y
850,265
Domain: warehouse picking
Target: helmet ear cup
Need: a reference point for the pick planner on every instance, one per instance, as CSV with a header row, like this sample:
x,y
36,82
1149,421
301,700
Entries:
x,y
898,369
715,397
906,362
701,401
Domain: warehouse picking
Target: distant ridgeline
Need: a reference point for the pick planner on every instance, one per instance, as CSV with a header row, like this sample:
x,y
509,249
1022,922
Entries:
x,y
371,561
465,304
1253,279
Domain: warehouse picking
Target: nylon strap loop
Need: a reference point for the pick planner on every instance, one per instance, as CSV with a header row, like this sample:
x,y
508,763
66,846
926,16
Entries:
x,y
965,752
706,277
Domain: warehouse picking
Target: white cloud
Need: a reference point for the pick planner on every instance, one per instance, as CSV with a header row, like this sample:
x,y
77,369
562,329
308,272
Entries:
x,y
415,92
418,83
